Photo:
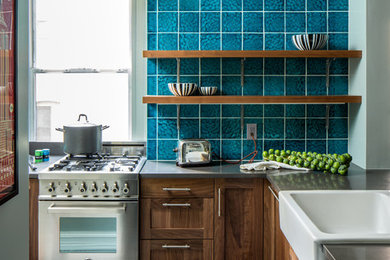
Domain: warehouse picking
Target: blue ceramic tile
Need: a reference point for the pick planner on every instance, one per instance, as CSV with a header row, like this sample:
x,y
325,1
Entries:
x,y
295,86
189,66
273,110
231,128
189,111
210,41
231,110
152,85
338,85
295,66
273,86
249,147
274,41
289,43
316,129
316,66
167,128
210,22
295,22
152,22
151,149
162,84
231,5
212,81
210,66
337,146
316,22
274,128
253,22
338,128
152,128
295,145
231,41
273,5
231,149
295,128
340,110
318,146
231,85
338,21
338,5
152,5
152,110
167,41
167,5
231,22
316,86
189,128
210,110
189,41
210,128
190,79
316,5
316,110
295,5
231,66
253,41
167,111
273,144
253,66
215,149
274,22
253,110
253,86
189,5
295,110
189,22
210,5
252,5
339,66
167,22
152,66
259,125
165,149
274,66
167,66
152,42
338,41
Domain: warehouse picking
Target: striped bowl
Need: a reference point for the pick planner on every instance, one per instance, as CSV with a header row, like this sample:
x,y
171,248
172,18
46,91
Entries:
x,y
208,91
182,89
305,42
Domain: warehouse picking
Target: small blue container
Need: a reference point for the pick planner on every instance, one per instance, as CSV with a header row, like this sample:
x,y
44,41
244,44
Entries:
x,y
46,155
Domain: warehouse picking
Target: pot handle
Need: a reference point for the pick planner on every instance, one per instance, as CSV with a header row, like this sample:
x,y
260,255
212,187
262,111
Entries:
x,y
60,129
84,115
105,127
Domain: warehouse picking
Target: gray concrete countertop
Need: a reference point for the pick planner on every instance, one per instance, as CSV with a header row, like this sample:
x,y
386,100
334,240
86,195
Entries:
x,y
40,166
357,252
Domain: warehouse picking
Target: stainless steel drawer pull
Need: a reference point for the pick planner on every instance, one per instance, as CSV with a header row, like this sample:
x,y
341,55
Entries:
x,y
219,202
176,246
176,189
176,204
273,193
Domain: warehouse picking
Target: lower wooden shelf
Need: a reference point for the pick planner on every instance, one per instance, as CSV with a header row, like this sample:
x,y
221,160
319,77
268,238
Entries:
x,y
251,99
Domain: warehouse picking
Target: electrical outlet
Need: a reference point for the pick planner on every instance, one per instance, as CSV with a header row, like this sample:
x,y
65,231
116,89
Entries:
x,y
251,129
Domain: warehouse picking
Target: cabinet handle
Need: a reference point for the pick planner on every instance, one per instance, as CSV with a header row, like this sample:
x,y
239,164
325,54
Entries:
x,y
273,193
176,189
176,204
176,246
219,202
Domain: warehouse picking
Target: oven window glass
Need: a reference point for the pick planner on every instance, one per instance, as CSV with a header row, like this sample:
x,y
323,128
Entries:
x,y
88,235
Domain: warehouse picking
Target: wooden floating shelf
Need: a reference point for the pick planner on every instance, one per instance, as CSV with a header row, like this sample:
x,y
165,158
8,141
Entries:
x,y
251,99
254,54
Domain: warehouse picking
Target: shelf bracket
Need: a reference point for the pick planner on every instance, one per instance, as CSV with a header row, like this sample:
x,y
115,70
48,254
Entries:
x,y
178,70
327,117
242,119
242,71
178,117
328,64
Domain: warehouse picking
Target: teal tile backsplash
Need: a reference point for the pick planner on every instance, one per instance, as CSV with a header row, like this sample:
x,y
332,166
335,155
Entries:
x,y
247,25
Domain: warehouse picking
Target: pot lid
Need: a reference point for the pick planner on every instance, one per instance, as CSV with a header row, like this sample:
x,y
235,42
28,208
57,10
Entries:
x,y
86,123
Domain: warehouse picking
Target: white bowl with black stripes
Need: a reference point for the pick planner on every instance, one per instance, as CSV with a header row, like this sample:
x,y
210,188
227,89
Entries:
x,y
306,42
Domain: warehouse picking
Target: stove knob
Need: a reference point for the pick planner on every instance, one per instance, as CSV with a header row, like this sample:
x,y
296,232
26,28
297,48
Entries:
x,y
93,188
67,187
126,188
104,187
115,188
51,187
82,187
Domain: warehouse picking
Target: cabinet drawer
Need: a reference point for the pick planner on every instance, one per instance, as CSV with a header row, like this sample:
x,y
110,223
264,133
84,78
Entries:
x,y
177,218
176,249
175,188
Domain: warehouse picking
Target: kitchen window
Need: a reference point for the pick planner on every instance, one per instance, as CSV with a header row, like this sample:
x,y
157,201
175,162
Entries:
x,y
81,65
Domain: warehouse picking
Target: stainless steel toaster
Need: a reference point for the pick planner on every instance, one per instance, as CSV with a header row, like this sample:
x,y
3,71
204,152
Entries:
x,y
193,152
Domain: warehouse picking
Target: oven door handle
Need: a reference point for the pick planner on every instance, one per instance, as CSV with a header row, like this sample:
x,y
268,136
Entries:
x,y
53,209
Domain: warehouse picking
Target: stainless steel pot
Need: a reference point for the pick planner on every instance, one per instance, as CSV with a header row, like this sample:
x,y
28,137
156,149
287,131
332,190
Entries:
x,y
82,138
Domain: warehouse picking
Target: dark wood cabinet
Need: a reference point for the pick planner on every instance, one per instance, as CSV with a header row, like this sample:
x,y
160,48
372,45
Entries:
x,y
33,218
238,219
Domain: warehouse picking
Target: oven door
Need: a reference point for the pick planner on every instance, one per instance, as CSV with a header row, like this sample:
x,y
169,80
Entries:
x,y
88,230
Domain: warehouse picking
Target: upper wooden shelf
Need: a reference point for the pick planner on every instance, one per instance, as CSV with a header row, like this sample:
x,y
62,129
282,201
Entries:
x,y
251,99
254,54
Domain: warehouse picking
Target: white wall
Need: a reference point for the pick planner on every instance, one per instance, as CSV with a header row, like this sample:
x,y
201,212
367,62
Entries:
x,y
14,213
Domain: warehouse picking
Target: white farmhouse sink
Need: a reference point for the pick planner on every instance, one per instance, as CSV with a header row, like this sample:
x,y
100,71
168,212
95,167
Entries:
x,y
311,218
